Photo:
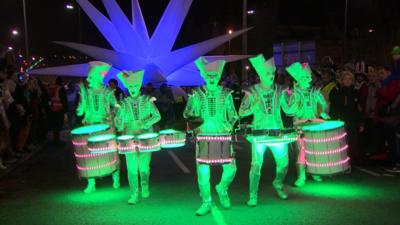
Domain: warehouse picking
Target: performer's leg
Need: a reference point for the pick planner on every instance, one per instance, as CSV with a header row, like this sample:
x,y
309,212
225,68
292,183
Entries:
x,y
144,169
257,158
228,174
280,153
133,177
301,161
203,180
91,186
115,177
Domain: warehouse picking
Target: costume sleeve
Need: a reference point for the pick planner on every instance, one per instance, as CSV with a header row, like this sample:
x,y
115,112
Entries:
x,y
154,114
80,110
191,109
245,105
231,111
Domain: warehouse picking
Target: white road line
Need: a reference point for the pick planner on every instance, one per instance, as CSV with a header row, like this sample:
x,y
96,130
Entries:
x,y
368,171
178,162
218,216
388,175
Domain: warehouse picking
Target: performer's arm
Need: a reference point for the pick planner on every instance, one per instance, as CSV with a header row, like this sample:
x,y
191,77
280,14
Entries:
x,y
154,115
289,102
80,110
324,106
191,109
120,119
245,105
231,111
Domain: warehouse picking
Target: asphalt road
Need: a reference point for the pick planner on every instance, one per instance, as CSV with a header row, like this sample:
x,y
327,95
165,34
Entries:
x,y
46,190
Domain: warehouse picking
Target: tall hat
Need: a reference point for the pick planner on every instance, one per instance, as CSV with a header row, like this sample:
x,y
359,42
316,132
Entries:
x,y
205,67
131,77
261,65
102,67
396,50
299,70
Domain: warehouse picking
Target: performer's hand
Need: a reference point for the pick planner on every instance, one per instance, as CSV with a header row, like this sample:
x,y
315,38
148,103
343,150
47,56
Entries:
x,y
325,116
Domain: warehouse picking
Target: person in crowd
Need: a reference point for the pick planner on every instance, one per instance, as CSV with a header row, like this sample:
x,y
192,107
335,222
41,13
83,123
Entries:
x,y
35,97
328,80
113,85
72,96
395,75
346,106
136,115
360,81
5,101
58,108
383,73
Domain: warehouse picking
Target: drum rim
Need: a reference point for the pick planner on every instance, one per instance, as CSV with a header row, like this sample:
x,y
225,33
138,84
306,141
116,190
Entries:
x,y
169,131
152,135
103,125
108,137
214,134
312,128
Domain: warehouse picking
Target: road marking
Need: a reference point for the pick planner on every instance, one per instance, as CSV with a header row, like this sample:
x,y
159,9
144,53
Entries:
x,y
388,175
368,171
218,216
178,162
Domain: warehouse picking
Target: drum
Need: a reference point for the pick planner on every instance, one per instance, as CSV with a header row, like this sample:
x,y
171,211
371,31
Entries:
x,y
326,148
273,136
214,149
126,144
103,143
149,142
93,165
172,139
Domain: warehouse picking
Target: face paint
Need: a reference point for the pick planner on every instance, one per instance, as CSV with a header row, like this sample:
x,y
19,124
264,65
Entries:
x,y
212,80
267,79
96,74
265,69
132,81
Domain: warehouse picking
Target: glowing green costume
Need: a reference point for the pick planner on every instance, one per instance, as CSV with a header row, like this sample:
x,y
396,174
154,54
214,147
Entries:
x,y
95,104
214,104
308,100
136,115
264,102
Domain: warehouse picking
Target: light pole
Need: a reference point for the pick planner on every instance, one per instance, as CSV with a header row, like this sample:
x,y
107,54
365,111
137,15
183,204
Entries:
x,y
244,40
26,30
345,28
230,31
71,7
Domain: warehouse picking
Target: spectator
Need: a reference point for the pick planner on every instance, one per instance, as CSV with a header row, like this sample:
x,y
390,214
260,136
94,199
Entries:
x,y
384,73
345,106
396,68
328,83
58,107
165,106
113,85
360,82
72,98
36,113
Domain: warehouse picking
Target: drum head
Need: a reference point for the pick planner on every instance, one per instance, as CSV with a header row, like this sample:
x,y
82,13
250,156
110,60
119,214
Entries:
x,y
125,137
169,131
148,135
327,125
90,129
101,138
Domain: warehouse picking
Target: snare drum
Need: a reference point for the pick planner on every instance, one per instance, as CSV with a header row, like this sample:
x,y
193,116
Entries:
x,y
149,142
326,148
126,144
214,149
172,139
103,143
93,165
273,136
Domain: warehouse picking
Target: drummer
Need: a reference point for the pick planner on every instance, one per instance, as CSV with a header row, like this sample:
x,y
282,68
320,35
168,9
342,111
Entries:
x,y
136,115
310,106
214,104
95,104
264,101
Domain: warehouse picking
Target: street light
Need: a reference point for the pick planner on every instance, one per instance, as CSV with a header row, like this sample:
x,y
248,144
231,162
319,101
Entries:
x,y
69,6
230,31
10,48
251,11
14,32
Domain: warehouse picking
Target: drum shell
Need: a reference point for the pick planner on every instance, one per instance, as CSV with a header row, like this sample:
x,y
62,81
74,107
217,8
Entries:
x,y
326,151
150,144
127,146
273,137
169,140
103,146
93,165
214,151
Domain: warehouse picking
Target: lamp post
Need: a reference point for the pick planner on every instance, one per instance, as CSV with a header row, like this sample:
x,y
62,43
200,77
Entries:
x,y
25,29
244,39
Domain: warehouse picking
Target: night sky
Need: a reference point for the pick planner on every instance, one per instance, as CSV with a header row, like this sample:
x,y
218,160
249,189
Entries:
x,y
49,20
